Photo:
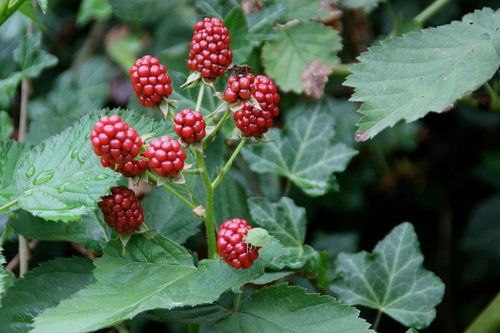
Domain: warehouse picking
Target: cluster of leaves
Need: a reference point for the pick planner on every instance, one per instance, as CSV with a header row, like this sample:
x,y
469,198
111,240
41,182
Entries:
x,y
51,184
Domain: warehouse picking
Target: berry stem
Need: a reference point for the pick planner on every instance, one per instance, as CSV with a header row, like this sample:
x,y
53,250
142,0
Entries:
x,y
228,164
200,97
209,205
428,12
9,204
172,190
217,128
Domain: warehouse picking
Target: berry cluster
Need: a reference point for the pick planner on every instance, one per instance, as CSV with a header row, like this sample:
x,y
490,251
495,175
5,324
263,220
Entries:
x,y
166,157
150,80
240,86
122,210
189,126
231,244
209,49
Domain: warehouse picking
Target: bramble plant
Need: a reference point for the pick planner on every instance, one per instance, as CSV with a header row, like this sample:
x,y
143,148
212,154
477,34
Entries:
x,y
225,136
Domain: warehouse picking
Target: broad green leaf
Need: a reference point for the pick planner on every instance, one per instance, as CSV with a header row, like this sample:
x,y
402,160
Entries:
x,y
303,9
287,222
93,10
6,126
230,201
216,8
90,230
241,44
283,308
139,10
124,50
427,71
11,153
391,279
365,5
42,288
153,274
263,20
489,320
169,216
298,46
62,178
306,152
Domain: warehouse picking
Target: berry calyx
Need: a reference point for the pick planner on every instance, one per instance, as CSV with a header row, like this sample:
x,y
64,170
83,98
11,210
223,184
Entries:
x,y
189,125
165,156
209,51
231,244
240,86
122,210
150,80
115,141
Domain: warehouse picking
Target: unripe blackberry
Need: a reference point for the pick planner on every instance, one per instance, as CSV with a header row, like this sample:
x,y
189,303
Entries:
x,y
122,210
240,86
209,51
253,121
150,80
115,141
267,95
189,125
231,244
165,156
129,169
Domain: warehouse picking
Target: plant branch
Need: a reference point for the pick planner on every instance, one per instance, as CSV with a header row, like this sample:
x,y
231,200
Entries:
x,y
172,190
288,187
217,128
428,12
228,164
200,97
377,320
15,261
9,204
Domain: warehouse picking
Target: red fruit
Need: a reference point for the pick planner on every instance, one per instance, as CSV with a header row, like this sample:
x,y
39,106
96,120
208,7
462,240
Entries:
x,y
129,169
115,141
189,125
267,95
166,157
209,51
231,244
150,80
122,210
240,86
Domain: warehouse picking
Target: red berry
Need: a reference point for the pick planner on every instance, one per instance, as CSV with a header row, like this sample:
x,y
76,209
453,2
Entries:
x,y
150,80
240,86
209,51
189,125
129,169
231,244
115,141
122,210
252,121
166,157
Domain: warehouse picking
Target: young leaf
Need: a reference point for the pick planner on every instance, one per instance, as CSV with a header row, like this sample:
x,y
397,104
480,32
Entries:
x,y
93,10
152,274
287,222
43,5
365,5
42,288
297,46
11,153
305,153
6,126
426,71
391,279
283,308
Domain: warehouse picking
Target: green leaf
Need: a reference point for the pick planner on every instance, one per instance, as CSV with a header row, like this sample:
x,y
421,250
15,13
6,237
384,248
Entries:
x,y
11,153
93,10
42,288
231,200
152,274
306,152
90,230
282,308
140,10
216,8
169,216
287,222
43,5
426,71
488,321
241,44
6,126
391,279
298,46
303,10
365,5
62,178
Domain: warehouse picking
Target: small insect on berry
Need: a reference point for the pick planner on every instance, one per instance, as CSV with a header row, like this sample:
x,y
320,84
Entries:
x,y
115,141
189,126
122,210
150,80
231,244
239,87
165,156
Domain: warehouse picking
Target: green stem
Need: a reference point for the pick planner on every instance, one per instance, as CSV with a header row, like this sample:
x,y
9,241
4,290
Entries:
x,y
200,97
377,320
209,205
9,204
428,12
228,164
341,70
172,190
217,128
493,95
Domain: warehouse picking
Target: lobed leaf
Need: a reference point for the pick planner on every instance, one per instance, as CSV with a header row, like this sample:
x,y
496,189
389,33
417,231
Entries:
x,y
391,279
11,153
427,71
6,126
